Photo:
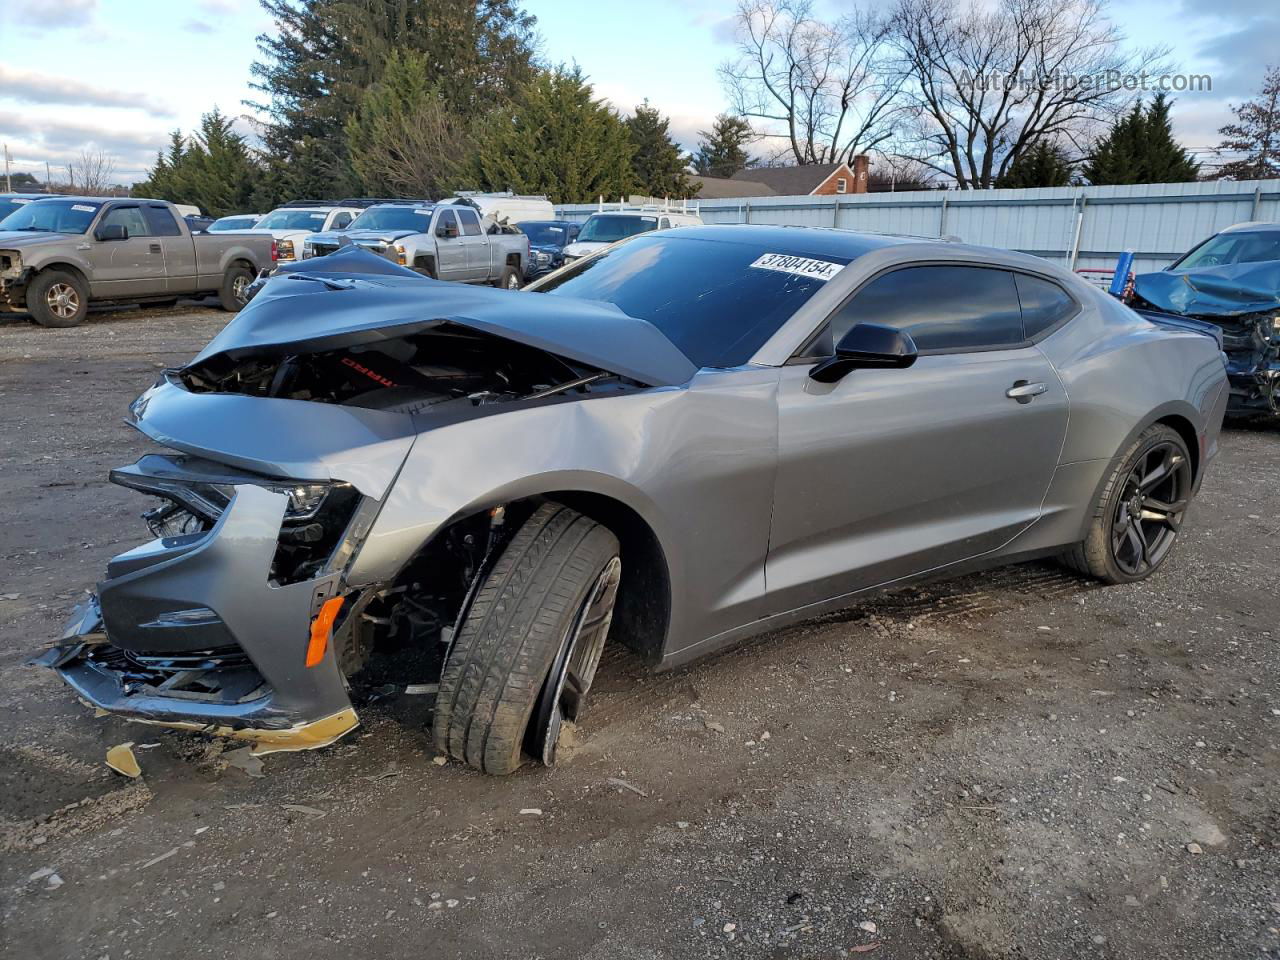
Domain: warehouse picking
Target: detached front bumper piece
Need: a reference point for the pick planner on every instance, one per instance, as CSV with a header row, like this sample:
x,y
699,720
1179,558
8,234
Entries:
x,y
211,629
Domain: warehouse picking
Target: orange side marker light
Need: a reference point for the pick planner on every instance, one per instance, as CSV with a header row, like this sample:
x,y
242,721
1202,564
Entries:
x,y
322,630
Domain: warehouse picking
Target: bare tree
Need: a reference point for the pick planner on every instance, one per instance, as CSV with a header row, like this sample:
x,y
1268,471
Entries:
x,y
91,173
1254,138
985,84
819,86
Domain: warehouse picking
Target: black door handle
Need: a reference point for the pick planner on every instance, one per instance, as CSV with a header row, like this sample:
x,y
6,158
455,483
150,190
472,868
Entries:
x,y
155,248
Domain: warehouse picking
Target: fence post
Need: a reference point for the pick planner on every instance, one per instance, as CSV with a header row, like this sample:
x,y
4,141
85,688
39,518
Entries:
x,y
747,218
942,219
835,211
1075,244
1257,202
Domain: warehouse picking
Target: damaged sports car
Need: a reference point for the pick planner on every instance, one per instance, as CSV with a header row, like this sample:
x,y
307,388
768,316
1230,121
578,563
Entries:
x,y
672,444
1231,280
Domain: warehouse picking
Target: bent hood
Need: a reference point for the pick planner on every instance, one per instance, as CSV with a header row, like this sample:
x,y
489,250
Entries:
x,y
1230,290
356,297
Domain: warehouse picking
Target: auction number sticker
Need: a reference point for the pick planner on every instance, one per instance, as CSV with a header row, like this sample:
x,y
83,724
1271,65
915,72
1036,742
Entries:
x,y
83,207
822,270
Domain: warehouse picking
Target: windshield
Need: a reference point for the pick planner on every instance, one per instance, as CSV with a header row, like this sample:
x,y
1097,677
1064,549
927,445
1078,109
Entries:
x,y
712,298
232,223
611,228
416,219
1227,248
311,220
54,216
545,234
10,204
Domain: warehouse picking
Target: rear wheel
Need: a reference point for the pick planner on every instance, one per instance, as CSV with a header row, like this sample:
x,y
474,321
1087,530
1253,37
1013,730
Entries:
x,y
1140,511
510,279
235,288
524,657
56,298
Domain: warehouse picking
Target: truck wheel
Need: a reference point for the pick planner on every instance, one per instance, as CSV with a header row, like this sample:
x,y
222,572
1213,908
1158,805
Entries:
x,y
235,288
510,279
527,652
56,298
1137,517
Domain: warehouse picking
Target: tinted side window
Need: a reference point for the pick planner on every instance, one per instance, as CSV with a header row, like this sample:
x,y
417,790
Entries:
x,y
470,222
447,218
128,217
341,221
160,221
1043,304
942,307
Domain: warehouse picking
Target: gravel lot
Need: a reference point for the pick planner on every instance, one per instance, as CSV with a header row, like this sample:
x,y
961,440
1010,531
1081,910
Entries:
x,y
1017,764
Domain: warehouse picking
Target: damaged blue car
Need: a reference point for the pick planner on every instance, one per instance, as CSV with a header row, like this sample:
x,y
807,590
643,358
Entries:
x,y
1231,280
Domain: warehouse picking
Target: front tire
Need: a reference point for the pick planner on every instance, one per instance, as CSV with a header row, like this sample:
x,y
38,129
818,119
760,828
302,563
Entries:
x,y
1137,517
234,294
531,641
56,298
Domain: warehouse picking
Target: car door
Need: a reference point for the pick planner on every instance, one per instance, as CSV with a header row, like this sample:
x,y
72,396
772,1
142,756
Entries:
x,y
478,247
451,253
178,248
892,472
132,267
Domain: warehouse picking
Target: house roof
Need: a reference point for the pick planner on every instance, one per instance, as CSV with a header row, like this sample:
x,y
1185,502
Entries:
x,y
719,188
791,181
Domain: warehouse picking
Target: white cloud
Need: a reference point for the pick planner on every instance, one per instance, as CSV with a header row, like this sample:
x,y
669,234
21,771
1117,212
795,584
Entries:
x,y
50,14
25,86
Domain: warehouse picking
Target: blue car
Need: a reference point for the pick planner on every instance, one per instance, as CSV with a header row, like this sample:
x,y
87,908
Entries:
x,y
547,240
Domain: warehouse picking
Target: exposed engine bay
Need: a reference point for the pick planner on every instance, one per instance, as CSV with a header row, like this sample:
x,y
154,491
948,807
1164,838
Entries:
x,y
442,368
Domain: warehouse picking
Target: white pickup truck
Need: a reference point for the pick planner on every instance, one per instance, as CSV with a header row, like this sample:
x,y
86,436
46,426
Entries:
x,y
59,254
445,241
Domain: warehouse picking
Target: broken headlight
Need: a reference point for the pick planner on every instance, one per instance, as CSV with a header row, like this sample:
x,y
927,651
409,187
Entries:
x,y
305,499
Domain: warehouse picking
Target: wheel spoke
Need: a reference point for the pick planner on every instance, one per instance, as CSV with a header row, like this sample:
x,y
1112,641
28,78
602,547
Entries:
x,y
1162,472
1139,544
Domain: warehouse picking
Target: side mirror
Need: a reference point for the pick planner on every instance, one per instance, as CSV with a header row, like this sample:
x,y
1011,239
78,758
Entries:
x,y
867,345
112,231
447,230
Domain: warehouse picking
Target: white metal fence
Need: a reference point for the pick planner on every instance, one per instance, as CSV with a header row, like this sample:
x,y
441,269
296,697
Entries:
x,y
1079,227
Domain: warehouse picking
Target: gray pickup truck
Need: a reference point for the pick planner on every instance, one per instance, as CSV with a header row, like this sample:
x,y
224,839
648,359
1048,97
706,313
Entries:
x,y
445,241
59,254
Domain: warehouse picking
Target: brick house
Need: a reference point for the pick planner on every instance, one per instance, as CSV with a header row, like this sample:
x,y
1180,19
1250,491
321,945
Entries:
x,y
813,179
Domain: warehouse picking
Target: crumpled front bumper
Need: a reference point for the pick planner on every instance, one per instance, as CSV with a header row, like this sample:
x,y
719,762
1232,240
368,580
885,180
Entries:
x,y
191,632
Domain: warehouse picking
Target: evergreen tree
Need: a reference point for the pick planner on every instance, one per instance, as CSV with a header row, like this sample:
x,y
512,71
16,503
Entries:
x,y
722,150
1140,148
556,139
315,68
658,165
1044,164
1256,134
213,169
403,138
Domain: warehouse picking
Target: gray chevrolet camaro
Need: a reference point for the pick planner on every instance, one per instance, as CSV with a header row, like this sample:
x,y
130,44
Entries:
x,y
369,477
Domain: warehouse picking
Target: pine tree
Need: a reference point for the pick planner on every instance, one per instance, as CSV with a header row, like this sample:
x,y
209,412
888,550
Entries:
x,y
1256,134
316,67
213,169
1045,164
1140,148
658,165
722,150
556,139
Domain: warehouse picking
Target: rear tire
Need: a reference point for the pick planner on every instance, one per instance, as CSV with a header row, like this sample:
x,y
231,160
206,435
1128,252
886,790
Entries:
x,y
510,279
526,618
234,294
1137,516
56,298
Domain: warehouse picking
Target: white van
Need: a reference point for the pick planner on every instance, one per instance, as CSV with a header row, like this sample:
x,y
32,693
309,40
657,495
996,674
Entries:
x,y
607,226
507,207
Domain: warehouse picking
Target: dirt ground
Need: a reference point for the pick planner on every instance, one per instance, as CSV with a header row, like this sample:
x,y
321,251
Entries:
x,y
1017,764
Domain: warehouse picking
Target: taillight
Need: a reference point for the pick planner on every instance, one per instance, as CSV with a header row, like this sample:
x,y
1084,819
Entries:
x,y
275,250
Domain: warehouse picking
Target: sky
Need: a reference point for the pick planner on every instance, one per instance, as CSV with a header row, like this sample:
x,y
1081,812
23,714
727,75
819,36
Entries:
x,y
118,75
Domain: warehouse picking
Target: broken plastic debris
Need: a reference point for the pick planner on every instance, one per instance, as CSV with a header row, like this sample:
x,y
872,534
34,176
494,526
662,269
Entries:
x,y
531,812
243,759
164,856
627,786
419,689
305,810
120,758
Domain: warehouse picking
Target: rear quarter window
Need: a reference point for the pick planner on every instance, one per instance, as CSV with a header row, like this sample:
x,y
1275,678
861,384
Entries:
x,y
1044,304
